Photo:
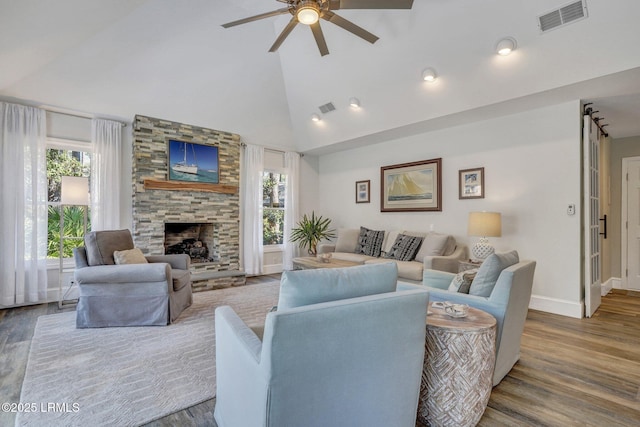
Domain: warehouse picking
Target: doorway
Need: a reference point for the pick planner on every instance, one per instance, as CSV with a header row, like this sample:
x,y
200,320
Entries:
x,y
630,225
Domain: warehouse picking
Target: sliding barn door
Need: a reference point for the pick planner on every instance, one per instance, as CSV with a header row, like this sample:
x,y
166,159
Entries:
x,y
592,261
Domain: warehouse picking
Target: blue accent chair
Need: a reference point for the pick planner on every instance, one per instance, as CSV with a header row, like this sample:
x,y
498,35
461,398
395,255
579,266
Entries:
x,y
344,348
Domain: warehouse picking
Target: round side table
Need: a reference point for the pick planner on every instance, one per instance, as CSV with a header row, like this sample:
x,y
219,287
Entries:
x,y
457,376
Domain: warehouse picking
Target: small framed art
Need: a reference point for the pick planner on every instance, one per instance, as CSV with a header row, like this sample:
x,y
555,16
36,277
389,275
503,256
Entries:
x,y
363,191
471,184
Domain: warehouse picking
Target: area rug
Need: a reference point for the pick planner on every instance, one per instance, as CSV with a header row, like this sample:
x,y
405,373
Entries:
x,y
129,376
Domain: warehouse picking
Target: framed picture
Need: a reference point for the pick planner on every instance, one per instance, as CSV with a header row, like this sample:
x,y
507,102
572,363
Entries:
x,y
411,187
192,162
471,184
363,191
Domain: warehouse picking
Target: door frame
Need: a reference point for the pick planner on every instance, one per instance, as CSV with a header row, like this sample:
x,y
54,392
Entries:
x,y
624,238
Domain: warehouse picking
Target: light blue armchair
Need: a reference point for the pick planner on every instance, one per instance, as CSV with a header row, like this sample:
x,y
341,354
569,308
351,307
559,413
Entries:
x,y
344,348
508,303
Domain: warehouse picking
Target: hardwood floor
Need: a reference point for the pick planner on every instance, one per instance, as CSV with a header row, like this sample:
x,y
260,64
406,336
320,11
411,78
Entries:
x,y
572,372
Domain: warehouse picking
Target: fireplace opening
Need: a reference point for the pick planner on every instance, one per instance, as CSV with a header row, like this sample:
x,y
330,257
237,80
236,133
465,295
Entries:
x,y
194,239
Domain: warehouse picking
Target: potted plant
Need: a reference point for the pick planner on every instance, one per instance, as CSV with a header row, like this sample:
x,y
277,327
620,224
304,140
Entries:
x,y
310,231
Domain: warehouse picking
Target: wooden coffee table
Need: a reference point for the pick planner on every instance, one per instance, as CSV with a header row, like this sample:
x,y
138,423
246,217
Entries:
x,y
457,375
310,262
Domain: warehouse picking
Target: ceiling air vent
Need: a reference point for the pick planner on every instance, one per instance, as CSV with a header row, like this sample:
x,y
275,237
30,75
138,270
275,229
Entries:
x,y
327,108
566,14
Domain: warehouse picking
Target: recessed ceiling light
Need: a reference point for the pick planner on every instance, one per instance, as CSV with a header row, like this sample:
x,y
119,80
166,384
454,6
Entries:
x,y
429,75
506,46
354,102
315,117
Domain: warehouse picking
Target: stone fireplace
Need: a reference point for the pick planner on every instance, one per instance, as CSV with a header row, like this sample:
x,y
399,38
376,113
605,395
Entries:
x,y
157,204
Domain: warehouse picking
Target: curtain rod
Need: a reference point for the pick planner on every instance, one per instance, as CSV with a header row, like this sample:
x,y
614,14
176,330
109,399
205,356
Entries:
x,y
589,111
80,115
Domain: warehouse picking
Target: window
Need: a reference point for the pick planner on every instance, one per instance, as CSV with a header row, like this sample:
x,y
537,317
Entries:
x,y
273,192
65,160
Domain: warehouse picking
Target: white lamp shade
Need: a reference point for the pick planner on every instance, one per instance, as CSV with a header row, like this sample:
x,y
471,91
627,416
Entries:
x,y
74,191
485,224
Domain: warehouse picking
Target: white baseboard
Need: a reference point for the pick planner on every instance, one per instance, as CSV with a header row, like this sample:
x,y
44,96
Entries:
x,y
556,306
616,282
272,269
610,284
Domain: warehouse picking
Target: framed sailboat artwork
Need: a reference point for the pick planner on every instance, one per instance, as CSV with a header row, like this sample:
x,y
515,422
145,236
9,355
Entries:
x,y
411,187
192,162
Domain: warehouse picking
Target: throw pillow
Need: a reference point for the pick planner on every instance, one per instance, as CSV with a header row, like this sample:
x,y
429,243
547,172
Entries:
x,y
433,245
462,281
304,287
389,240
347,240
489,272
404,248
369,242
129,256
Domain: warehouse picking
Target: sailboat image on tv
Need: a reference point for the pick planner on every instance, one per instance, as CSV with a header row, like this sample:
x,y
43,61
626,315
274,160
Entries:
x,y
192,162
185,167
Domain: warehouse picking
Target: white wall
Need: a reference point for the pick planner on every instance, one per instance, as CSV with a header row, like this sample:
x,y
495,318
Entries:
x,y
532,172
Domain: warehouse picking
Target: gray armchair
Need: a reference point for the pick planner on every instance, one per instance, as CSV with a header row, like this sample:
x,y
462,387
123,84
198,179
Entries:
x,y
152,293
508,302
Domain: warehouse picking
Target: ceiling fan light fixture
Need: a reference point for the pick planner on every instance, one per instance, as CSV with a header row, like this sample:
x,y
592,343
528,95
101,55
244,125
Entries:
x,y
429,75
506,46
354,102
308,12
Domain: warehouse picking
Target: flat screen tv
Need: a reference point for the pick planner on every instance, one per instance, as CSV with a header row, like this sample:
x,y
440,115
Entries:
x,y
191,162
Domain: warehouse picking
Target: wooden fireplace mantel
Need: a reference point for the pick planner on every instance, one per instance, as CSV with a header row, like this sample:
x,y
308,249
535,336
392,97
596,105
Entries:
x,y
158,184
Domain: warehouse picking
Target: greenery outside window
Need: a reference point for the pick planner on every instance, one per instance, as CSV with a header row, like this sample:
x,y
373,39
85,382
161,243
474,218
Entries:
x,y
62,161
274,185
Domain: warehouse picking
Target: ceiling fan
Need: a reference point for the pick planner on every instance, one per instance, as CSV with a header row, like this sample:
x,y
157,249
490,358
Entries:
x,y
309,12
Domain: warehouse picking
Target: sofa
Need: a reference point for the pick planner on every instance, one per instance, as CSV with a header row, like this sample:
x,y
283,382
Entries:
x,y
435,251
501,286
345,347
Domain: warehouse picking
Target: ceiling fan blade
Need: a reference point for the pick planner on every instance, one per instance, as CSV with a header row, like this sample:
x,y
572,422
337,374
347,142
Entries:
x,y
257,17
370,4
283,35
349,26
320,41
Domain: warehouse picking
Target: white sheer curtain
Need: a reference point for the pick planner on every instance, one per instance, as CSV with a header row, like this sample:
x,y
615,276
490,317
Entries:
x,y
292,167
251,202
23,200
106,174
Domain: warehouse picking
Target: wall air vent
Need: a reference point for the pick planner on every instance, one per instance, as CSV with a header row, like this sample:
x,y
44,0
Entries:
x,y
327,108
566,14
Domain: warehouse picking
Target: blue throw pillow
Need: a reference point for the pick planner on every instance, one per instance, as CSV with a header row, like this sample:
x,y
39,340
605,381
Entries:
x,y
304,287
489,272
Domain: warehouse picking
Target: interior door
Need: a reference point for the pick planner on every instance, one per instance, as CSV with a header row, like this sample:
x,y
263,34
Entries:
x,y
592,279
631,227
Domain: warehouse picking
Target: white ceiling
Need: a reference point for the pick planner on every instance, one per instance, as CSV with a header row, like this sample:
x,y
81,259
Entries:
x,y
173,60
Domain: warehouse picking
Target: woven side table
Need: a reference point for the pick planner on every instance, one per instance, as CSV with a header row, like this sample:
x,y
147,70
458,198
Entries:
x,y
458,368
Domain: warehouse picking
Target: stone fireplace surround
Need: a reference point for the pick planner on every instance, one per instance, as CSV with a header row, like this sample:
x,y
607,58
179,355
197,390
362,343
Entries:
x,y
152,208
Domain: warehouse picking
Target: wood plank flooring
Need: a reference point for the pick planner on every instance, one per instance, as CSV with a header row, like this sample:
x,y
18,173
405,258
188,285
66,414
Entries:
x,y
572,372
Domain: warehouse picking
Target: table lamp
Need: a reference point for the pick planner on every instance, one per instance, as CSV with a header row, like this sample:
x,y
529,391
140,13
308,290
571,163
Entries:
x,y
484,224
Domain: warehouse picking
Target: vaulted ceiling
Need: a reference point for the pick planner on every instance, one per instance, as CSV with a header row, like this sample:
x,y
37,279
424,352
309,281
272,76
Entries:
x,y
173,60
